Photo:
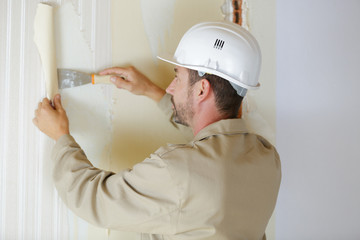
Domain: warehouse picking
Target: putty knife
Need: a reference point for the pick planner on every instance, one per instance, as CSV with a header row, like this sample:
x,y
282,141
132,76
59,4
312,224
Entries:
x,y
70,78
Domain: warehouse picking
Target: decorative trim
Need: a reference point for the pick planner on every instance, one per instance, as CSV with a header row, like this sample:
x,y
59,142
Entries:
x,y
5,121
29,205
21,125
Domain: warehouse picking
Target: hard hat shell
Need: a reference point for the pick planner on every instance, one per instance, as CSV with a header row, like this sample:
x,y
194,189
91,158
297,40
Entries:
x,y
224,49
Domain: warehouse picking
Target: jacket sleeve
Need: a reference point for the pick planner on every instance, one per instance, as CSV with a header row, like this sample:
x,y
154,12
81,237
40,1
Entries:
x,y
165,106
142,199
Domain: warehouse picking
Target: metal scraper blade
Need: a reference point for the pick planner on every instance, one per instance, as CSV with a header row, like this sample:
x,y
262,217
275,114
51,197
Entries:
x,y
70,78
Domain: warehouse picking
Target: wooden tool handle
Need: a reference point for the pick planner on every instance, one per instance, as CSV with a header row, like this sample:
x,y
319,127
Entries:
x,y
98,79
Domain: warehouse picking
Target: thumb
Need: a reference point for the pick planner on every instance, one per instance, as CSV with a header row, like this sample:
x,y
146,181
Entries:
x,y
120,82
57,102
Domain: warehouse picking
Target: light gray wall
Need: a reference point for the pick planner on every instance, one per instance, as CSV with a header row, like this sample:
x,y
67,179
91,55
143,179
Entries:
x,y
318,119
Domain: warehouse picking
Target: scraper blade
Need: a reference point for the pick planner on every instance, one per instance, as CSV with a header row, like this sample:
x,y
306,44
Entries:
x,y
68,78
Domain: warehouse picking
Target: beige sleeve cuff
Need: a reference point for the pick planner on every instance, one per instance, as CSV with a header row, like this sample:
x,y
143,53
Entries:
x,y
64,141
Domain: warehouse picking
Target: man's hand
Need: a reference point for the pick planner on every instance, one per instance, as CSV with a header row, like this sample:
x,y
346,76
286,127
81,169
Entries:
x,y
135,82
52,120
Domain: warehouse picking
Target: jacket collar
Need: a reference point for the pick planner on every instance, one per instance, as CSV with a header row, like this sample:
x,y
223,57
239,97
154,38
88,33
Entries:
x,y
222,127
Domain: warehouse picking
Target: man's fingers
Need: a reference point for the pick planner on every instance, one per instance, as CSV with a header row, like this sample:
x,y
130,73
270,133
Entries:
x,y
45,103
121,83
57,102
106,71
38,109
115,70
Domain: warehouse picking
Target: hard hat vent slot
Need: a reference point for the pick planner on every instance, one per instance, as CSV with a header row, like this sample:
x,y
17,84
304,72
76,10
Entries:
x,y
219,44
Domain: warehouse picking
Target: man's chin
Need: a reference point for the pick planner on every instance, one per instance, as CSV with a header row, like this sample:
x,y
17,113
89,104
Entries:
x,y
179,121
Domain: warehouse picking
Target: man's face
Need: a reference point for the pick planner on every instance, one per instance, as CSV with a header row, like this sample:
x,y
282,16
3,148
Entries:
x,y
181,96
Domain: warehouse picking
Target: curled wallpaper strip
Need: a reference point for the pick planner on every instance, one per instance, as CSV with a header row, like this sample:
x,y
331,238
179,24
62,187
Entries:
x,y
45,42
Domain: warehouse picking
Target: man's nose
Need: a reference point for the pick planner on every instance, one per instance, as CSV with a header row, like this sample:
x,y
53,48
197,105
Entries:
x,y
170,89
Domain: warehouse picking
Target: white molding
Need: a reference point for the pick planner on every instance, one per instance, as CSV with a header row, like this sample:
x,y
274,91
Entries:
x,y
5,123
29,205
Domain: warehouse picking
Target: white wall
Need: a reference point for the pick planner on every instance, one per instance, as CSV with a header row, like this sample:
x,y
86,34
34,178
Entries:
x,y
318,116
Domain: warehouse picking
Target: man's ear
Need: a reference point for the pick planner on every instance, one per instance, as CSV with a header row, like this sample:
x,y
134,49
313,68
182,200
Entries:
x,y
203,89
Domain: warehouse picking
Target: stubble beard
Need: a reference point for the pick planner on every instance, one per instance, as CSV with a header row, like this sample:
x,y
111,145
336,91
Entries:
x,y
182,112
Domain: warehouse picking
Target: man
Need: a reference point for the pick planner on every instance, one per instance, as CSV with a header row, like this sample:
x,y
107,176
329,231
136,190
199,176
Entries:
x,y
222,185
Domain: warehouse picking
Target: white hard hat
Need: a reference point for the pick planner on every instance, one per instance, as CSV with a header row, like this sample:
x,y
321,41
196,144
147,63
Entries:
x,y
224,49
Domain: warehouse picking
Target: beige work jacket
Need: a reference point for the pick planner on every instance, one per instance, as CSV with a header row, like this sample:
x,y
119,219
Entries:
x,y
222,185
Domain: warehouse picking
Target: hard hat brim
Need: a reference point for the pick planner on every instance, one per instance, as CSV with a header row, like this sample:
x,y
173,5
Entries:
x,y
170,59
